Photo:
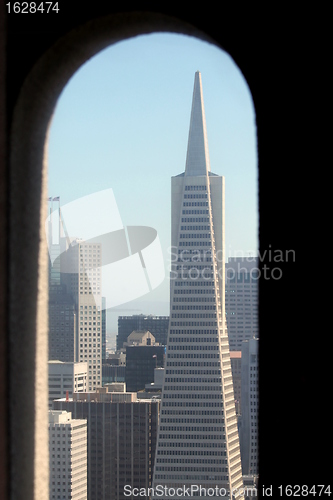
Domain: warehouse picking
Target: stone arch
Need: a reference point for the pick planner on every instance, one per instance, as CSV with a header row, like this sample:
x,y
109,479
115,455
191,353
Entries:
x,y
27,246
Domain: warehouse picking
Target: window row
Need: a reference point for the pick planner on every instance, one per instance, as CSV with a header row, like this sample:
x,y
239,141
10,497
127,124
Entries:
x,y
193,348
196,196
193,282
216,461
194,235
193,404
202,453
192,396
212,380
196,188
211,291
193,363
194,299
195,228
189,387
195,212
193,356
193,323
195,244
195,219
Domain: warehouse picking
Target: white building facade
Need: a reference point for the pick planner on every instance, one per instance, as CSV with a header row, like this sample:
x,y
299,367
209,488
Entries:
x,y
81,267
77,264
198,441
68,456
66,377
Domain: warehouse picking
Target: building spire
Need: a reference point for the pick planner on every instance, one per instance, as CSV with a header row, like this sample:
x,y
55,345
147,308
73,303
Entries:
x,y
197,160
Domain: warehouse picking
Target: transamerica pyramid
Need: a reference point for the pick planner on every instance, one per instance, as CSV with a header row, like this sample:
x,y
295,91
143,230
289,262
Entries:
x,y
197,451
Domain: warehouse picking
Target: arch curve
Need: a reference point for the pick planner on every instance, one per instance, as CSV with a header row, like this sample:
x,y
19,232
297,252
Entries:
x,y
28,294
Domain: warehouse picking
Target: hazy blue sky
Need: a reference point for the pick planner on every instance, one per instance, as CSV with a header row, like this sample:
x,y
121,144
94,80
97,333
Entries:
x,y
122,122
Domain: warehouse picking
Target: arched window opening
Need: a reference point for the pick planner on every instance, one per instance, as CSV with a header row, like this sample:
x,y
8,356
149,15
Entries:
x,y
28,315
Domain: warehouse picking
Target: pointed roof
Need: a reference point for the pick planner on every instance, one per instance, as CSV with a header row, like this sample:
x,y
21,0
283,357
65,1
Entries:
x,y
197,159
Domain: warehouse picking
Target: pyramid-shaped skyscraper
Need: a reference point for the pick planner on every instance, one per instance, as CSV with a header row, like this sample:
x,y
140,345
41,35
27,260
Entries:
x,y
198,444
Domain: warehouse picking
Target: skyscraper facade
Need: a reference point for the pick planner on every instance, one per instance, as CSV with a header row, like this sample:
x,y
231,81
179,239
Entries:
x,y
75,300
81,272
241,300
198,441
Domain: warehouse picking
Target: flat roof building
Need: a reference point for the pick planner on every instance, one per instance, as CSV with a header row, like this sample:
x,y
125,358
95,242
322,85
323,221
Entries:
x,y
157,325
66,377
68,456
122,432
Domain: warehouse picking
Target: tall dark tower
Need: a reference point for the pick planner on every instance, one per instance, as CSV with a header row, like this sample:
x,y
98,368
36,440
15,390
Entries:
x,y
198,445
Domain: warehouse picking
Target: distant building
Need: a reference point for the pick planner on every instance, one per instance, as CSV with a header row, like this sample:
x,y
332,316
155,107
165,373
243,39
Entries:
x,y
249,407
66,377
62,324
141,361
77,328
116,359
241,300
157,325
157,385
140,337
122,434
113,373
113,368
236,367
81,272
68,456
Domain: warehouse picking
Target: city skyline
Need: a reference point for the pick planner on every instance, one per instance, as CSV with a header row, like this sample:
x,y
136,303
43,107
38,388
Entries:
x,y
123,119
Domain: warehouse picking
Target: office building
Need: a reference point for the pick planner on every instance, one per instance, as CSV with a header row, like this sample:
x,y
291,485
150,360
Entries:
x,y
62,324
241,300
249,407
113,368
65,377
157,325
198,435
141,362
113,373
122,432
76,326
157,385
81,273
68,456
62,307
